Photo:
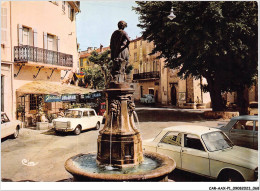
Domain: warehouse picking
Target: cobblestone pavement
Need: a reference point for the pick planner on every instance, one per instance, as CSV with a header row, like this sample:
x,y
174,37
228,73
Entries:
x,y
39,155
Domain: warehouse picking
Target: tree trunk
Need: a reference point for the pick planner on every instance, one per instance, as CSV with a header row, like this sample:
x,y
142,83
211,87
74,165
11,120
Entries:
x,y
243,101
215,96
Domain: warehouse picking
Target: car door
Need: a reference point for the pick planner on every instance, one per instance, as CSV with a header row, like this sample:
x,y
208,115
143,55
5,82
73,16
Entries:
x,y
194,157
6,126
170,145
92,119
255,138
242,133
85,120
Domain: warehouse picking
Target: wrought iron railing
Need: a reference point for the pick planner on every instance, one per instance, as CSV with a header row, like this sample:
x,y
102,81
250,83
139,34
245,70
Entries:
x,y
27,53
146,75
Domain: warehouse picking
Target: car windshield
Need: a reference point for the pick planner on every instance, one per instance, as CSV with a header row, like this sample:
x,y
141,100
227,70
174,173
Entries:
x,y
73,114
4,118
215,141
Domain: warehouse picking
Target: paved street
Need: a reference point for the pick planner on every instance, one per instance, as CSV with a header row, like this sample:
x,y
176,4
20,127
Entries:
x,y
39,155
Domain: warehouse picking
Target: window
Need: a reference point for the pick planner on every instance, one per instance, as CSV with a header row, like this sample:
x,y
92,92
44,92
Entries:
x,y
81,62
141,67
135,44
70,12
50,42
34,101
91,113
63,6
25,36
85,114
172,138
3,24
4,118
193,142
243,125
135,57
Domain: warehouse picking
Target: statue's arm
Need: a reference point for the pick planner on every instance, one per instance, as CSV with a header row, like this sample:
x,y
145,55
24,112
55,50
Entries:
x,y
127,41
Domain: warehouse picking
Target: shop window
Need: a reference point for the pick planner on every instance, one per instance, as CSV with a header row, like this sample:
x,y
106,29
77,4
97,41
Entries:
x,y
34,101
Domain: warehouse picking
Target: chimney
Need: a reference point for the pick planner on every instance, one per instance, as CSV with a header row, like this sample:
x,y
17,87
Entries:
x,y
89,49
101,48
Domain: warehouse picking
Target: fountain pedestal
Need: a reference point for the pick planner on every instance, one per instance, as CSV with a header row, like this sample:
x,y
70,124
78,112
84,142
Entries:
x,y
120,156
119,142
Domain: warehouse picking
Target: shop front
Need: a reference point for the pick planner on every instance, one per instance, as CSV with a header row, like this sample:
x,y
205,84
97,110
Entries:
x,y
41,101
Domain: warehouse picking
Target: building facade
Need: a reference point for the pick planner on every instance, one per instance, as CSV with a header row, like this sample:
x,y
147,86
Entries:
x,y
35,49
150,76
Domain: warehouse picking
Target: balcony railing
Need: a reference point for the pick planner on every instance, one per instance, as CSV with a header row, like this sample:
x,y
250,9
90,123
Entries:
x,y
146,76
27,53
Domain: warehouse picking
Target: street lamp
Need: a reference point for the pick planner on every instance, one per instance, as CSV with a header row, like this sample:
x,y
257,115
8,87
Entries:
x,y
171,16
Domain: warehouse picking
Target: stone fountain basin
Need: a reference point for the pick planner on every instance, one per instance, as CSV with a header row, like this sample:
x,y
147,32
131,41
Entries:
x,y
164,166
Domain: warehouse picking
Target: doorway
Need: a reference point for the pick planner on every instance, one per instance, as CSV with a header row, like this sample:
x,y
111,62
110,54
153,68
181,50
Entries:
x,y
173,95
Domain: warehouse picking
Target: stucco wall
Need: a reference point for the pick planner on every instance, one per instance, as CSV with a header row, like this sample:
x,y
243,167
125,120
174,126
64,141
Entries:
x,y
45,17
6,73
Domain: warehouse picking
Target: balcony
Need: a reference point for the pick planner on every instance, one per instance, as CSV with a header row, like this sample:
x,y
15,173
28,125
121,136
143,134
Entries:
x,y
147,76
25,53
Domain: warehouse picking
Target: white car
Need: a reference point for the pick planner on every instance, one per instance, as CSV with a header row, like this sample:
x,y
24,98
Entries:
x,y
9,127
76,120
147,98
206,151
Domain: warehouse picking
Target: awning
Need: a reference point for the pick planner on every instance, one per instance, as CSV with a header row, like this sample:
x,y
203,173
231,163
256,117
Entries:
x,y
53,88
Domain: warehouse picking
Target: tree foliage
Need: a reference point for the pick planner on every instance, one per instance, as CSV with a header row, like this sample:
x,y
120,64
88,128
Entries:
x,y
216,40
103,60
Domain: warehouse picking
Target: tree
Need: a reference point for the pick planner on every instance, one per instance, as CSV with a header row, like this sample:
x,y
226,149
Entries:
x,y
94,78
103,60
215,40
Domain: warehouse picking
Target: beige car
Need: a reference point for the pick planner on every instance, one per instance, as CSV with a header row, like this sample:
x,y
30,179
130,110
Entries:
x,y
206,151
9,127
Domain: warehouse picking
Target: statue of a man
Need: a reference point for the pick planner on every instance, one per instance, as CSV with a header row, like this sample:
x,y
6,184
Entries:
x,y
119,45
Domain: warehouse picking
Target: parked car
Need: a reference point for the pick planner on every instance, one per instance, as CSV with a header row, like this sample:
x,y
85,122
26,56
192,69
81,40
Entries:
x,y
76,120
9,127
253,108
205,151
243,131
147,99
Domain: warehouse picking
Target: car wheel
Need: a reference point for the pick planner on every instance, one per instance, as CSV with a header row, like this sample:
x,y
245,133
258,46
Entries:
x,y
16,133
57,132
231,176
77,130
97,126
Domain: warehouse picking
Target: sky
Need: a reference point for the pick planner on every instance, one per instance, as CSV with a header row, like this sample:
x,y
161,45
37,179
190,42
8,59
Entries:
x,y
98,20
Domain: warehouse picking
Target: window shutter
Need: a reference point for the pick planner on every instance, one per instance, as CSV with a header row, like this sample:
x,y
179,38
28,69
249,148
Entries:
x,y
20,34
44,40
3,24
58,44
35,42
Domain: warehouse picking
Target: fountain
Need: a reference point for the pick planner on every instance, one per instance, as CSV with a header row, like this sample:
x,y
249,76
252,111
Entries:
x,y
120,156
